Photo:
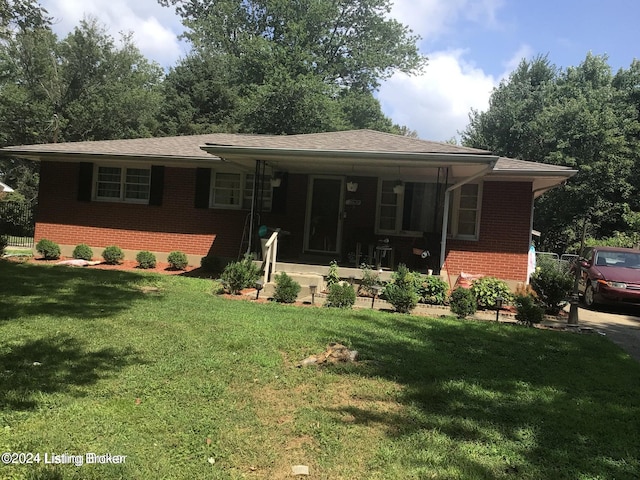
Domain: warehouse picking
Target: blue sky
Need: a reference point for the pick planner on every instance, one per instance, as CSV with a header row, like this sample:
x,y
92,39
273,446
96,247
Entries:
x,y
472,45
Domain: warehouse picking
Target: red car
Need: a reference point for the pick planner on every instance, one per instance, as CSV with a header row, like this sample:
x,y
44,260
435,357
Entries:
x,y
609,275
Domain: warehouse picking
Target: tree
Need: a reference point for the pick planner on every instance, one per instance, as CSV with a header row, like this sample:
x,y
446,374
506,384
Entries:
x,y
579,117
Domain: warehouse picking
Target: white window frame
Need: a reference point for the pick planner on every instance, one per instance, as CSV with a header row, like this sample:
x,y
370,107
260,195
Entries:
x,y
123,183
454,219
244,193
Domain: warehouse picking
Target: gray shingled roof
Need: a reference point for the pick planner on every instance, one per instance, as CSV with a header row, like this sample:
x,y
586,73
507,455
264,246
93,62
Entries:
x,y
510,165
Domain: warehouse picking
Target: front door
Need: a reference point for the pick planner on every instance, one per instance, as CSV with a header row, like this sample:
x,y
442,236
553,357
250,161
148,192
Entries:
x,y
323,229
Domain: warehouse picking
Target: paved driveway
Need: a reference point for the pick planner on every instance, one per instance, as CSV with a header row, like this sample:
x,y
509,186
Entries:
x,y
621,325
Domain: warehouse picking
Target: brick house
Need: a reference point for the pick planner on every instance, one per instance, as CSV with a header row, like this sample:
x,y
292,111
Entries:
x,y
353,196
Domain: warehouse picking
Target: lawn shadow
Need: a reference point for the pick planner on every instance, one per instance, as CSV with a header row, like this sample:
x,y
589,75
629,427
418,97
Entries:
x,y
54,364
31,290
487,383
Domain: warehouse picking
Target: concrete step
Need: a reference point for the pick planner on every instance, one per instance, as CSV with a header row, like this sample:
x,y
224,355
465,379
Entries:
x,y
304,279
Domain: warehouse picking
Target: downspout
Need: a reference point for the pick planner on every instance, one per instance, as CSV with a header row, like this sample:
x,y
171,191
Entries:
x,y
445,218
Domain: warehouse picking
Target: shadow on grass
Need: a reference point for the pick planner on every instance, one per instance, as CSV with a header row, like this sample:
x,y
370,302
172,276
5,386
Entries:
x,y
554,403
29,290
50,365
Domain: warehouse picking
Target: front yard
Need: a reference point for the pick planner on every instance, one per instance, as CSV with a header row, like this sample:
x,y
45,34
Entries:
x,y
187,385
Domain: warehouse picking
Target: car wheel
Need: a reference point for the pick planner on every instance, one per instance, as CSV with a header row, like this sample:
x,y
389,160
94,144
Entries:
x,y
588,298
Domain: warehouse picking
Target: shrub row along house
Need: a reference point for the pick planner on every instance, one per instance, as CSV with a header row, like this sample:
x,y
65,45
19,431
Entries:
x,y
357,196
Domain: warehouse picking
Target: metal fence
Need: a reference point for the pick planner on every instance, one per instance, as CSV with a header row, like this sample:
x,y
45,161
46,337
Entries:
x,y
17,223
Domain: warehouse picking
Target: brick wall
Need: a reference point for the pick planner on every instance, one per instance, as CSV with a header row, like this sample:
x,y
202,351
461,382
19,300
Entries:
x,y
503,244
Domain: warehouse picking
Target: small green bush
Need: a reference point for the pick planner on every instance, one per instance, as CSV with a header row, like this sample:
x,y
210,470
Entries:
x,y
341,295
83,252
463,302
553,283
4,242
239,275
113,255
370,279
333,276
488,289
402,292
217,287
527,310
178,260
146,259
48,249
287,289
433,290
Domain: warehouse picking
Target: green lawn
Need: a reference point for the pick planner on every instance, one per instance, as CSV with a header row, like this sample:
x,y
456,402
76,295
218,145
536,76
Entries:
x,y
188,385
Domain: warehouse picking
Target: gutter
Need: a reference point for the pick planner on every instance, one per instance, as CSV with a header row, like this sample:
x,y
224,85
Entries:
x,y
445,217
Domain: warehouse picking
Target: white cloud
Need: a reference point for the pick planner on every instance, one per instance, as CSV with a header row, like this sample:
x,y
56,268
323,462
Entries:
x,y
437,103
524,52
155,28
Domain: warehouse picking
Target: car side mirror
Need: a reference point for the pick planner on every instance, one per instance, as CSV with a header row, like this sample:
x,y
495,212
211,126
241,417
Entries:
x,y
585,263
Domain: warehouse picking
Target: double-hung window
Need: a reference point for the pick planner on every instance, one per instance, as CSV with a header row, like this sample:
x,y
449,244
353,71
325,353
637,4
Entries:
x,y
235,191
464,220
122,184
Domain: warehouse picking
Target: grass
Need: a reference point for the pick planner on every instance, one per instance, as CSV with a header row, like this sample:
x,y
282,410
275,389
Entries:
x,y
190,386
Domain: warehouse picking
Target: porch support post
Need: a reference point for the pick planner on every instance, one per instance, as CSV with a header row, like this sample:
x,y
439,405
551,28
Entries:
x,y
254,200
445,218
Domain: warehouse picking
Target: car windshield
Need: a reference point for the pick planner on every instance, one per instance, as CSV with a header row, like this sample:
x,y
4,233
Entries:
x,y
618,259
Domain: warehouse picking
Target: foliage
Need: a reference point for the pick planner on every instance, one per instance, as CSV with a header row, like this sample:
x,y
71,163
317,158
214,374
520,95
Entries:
x,y
239,275
370,278
49,249
217,287
527,310
582,117
287,289
4,241
333,276
177,260
553,284
488,289
341,295
146,259
433,290
402,292
463,302
83,252
113,255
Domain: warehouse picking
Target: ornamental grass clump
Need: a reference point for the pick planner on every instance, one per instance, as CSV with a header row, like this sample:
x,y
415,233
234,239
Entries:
x,y
341,295
113,255
49,249
146,259
287,289
177,260
83,252
463,302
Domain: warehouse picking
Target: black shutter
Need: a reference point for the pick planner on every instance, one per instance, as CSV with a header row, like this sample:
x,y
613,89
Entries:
x,y
203,183
279,195
85,179
157,185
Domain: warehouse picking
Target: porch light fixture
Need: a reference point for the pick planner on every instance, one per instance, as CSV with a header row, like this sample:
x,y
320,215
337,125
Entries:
x,y
499,303
259,286
398,188
312,290
276,182
352,186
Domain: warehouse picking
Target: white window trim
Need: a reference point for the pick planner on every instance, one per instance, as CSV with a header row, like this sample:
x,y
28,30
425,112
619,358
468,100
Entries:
x,y
123,176
244,194
455,217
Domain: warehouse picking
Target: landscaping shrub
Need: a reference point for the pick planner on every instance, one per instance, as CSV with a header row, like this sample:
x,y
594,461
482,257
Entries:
x,y
463,302
113,255
433,290
239,275
402,292
287,289
370,278
341,295
48,249
83,252
528,310
217,288
178,260
146,259
488,289
332,276
553,283
4,241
